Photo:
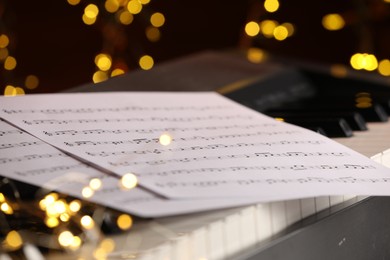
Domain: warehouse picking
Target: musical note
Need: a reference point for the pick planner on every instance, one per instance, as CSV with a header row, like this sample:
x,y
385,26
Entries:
x,y
10,132
30,157
21,144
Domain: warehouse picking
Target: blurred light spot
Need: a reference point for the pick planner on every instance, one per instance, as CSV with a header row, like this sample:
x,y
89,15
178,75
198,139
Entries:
x,y
124,222
279,119
65,217
10,91
6,208
76,243
252,29
31,82
13,240
51,198
91,11
65,238
87,192
60,206
51,210
384,67
125,17
2,198
10,63
146,62
87,222
386,1
128,181
333,22
73,2
117,72
75,206
157,19
153,34
364,61
95,184
4,41
338,70
364,105
87,20
19,91
3,54
111,6
134,6
108,245
103,61
144,2
271,5
290,28
268,27
280,33
255,55
51,222
99,76
165,139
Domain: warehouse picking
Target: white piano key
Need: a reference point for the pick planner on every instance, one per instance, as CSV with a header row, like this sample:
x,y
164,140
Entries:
x,y
278,216
247,223
377,158
293,211
263,221
385,158
307,207
322,203
232,234
334,200
181,248
215,234
198,243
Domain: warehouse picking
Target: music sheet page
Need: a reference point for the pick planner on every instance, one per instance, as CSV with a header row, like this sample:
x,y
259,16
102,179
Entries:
x,y
196,145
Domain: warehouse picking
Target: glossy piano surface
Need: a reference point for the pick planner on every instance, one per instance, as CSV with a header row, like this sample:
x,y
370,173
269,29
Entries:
x,y
336,227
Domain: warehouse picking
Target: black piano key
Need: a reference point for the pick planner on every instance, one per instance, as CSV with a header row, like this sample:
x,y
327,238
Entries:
x,y
333,127
354,119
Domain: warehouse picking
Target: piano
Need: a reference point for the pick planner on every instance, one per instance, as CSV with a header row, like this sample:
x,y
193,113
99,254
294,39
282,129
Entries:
x,y
331,227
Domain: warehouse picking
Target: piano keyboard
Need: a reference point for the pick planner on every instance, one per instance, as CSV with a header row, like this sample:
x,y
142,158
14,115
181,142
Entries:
x,y
226,234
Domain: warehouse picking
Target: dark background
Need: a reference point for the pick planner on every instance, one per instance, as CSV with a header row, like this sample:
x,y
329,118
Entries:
x,y
49,39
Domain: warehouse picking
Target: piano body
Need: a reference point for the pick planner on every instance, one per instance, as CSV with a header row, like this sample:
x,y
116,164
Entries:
x,y
334,227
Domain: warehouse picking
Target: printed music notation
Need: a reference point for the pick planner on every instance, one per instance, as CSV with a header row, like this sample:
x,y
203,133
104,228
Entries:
x,y
176,138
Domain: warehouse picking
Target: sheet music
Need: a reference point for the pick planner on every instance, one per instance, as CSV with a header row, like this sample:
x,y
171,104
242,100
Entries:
x,y
27,159
196,145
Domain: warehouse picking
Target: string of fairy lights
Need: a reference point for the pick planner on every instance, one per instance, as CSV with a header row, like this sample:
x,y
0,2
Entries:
x,y
272,29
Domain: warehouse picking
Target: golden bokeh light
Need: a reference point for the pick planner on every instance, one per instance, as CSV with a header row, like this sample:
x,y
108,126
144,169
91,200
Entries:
x,y
157,19
87,20
134,6
6,208
87,192
10,91
280,33
73,2
60,206
4,41
2,198
107,245
95,183
271,6
103,61
364,61
290,28
91,11
384,67
146,62
144,2
13,240
111,6
268,27
252,28
152,33
65,238
124,222
51,222
99,76
3,53
76,243
338,70
87,222
333,22
128,181
117,72
75,206
165,139
31,82
125,17
64,217
10,63
255,55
